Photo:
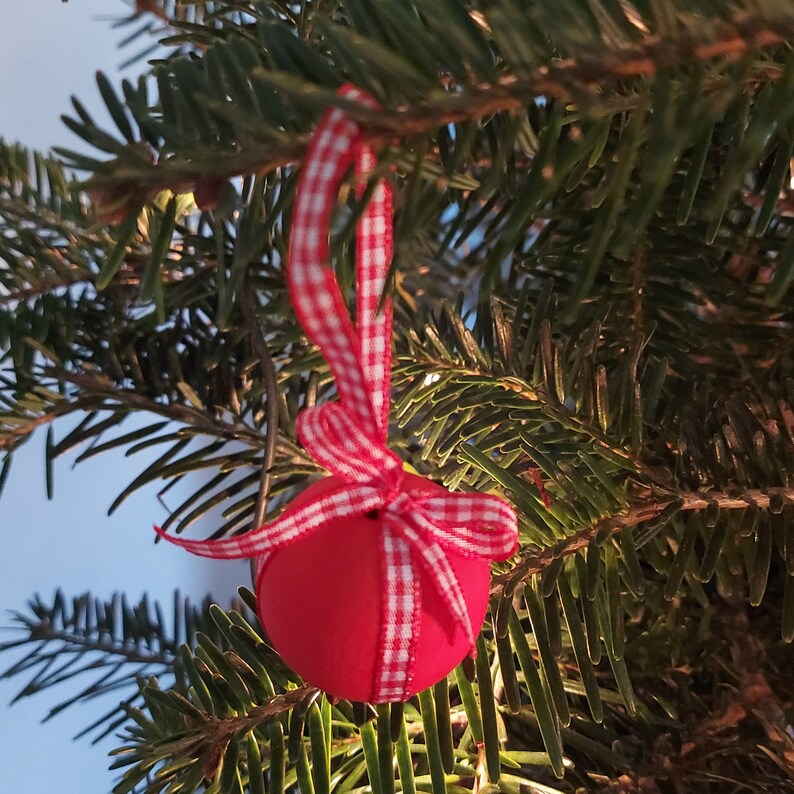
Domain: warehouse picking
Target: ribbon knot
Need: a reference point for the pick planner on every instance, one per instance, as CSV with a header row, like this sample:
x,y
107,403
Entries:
x,y
418,528
396,501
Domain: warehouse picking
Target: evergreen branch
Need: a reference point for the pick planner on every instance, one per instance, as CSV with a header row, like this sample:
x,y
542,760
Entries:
x,y
131,274
44,216
97,392
532,563
42,288
95,385
119,642
565,79
554,412
105,405
213,735
77,643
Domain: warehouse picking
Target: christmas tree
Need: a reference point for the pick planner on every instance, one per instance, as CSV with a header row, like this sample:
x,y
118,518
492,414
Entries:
x,y
593,255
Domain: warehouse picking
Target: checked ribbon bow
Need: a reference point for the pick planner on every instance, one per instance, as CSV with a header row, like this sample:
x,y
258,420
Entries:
x,y
348,437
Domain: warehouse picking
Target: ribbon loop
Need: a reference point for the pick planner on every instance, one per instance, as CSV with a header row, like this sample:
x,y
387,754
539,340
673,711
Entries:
x,y
334,440
359,359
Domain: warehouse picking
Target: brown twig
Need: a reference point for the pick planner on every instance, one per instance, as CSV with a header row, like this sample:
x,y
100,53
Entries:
x,y
151,7
218,732
93,385
16,435
44,631
248,305
637,292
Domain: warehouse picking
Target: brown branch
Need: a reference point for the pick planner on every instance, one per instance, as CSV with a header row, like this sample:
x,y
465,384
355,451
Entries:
x,y
562,79
532,563
11,438
637,293
130,275
248,305
213,735
152,7
43,288
48,286
265,711
44,632
96,385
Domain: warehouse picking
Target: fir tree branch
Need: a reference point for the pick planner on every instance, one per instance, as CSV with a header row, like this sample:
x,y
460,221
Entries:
x,y
532,563
112,641
42,288
94,385
81,643
130,275
538,395
564,79
213,735
44,216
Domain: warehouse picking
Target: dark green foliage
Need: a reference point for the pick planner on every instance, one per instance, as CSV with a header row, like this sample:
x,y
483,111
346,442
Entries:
x,y
113,642
594,257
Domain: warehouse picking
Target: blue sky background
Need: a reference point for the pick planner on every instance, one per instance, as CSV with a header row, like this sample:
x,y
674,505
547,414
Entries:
x,y
48,51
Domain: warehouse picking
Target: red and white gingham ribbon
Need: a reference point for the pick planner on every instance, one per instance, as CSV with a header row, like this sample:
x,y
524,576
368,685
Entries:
x,y
349,437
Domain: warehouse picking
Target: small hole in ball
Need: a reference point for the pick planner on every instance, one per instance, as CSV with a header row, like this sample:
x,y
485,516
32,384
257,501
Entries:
x,y
372,514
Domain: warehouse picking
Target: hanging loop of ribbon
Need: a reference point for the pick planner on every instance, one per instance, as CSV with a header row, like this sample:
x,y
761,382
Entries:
x,y
348,437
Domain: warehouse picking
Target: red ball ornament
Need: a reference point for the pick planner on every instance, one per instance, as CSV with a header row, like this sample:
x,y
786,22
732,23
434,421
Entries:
x,y
320,602
373,583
